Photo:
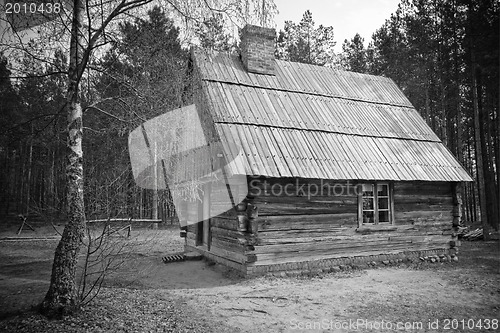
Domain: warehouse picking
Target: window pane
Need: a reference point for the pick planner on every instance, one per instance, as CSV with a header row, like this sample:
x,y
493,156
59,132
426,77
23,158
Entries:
x,y
383,216
367,203
383,203
367,190
382,190
368,217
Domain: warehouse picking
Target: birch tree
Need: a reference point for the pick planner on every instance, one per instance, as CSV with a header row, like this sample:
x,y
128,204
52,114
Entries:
x,y
86,26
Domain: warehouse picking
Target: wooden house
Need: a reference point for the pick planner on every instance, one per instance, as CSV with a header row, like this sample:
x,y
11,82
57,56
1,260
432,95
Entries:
x,y
340,167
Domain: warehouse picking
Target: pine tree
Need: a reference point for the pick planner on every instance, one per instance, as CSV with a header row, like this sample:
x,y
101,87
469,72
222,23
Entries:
x,y
354,56
304,43
212,35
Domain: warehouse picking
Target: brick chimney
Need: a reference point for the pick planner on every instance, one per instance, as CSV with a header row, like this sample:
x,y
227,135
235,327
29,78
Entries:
x,y
257,49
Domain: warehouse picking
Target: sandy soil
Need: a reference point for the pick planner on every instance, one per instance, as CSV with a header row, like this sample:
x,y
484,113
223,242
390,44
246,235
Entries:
x,y
424,297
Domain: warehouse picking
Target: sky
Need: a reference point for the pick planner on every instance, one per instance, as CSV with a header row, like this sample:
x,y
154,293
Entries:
x,y
347,17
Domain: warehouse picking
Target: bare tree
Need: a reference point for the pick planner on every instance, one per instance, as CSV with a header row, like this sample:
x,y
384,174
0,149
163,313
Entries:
x,y
90,25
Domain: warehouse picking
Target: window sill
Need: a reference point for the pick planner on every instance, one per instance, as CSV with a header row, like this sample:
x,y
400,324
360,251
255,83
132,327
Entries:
x,y
366,229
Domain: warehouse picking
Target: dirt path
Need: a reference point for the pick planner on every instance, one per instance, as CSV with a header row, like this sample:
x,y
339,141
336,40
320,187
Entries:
x,y
416,296
389,295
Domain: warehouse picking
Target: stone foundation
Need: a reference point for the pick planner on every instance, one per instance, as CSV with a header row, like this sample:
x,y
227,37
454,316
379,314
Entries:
x,y
334,264
337,264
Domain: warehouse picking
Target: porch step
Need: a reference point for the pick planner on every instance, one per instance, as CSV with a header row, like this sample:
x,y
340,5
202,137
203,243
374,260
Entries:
x,y
193,256
175,257
180,256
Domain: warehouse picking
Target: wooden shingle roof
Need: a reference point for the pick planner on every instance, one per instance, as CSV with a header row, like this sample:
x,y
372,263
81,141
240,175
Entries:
x,y
316,122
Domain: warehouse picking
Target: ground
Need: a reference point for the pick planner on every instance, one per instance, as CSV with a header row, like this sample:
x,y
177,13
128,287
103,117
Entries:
x,y
146,295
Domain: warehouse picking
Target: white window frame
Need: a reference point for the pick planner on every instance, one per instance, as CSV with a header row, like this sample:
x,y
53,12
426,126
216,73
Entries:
x,y
376,209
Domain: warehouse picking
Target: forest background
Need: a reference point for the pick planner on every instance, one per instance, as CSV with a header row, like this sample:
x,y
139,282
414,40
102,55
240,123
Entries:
x,y
444,55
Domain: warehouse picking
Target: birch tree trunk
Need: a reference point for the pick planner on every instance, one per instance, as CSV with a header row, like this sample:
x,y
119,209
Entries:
x,y
61,298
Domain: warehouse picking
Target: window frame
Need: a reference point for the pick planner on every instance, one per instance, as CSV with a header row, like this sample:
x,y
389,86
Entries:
x,y
376,209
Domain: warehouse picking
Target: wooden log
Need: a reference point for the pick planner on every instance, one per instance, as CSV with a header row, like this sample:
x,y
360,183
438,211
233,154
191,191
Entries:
x,y
230,255
291,238
227,232
423,216
224,223
323,200
238,236
253,226
422,188
239,241
423,207
428,198
334,245
269,208
267,259
315,246
228,245
243,223
241,207
252,211
321,221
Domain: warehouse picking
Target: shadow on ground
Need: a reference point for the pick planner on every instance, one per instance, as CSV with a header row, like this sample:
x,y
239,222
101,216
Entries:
x,y
150,272
26,264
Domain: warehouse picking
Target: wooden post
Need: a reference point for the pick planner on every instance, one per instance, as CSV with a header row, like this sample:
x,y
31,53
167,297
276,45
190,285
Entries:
x,y
252,213
242,216
360,209
457,217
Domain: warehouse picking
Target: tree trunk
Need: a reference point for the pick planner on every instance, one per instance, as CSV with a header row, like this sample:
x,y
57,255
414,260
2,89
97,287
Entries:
x,y
62,298
28,182
486,139
154,208
497,160
479,152
458,115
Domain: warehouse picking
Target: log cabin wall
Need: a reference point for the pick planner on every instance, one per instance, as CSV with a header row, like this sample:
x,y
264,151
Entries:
x,y
313,225
428,205
314,229
230,241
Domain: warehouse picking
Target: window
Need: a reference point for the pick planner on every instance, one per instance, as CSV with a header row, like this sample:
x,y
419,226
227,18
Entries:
x,y
375,204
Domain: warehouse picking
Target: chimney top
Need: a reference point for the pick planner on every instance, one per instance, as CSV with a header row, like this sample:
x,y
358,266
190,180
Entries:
x,y
257,49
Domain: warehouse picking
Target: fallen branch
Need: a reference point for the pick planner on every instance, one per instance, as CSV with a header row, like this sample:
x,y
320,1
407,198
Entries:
x,y
242,309
273,298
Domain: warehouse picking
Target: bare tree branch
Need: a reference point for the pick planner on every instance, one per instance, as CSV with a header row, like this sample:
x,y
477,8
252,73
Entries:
x,y
106,113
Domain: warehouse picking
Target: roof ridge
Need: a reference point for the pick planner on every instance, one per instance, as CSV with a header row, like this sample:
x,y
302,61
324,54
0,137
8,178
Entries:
x,y
339,71
214,53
